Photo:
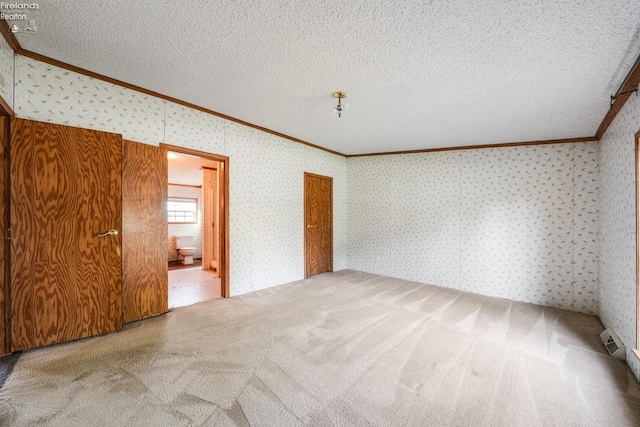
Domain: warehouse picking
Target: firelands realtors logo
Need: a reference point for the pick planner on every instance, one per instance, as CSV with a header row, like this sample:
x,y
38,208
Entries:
x,y
19,16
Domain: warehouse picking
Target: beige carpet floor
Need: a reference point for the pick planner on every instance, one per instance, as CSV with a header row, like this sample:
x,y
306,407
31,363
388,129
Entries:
x,y
338,349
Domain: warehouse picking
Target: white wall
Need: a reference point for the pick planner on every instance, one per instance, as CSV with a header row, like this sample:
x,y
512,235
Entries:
x,y
266,172
6,71
518,223
195,230
618,219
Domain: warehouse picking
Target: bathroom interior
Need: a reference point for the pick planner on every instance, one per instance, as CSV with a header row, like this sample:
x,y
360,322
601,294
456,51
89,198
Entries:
x,y
192,215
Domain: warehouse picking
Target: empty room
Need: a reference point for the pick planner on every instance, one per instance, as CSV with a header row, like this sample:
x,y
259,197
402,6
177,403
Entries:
x,y
397,213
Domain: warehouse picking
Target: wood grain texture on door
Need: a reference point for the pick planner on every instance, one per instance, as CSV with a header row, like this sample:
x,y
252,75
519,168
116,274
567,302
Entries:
x,y
210,220
65,191
318,231
208,178
145,287
5,331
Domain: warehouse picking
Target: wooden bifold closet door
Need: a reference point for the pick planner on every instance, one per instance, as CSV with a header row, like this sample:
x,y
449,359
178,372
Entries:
x,y
145,279
65,265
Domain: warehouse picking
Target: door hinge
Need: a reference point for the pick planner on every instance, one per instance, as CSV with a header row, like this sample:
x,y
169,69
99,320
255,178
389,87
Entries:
x,y
6,152
7,234
7,316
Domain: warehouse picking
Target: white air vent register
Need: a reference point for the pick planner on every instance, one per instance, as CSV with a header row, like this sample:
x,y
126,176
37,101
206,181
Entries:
x,y
613,344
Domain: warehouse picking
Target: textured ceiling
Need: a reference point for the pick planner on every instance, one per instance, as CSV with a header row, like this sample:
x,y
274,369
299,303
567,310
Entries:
x,y
418,74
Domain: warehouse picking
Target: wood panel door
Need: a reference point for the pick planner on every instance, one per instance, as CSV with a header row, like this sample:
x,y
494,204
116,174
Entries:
x,y
65,193
145,282
318,231
5,330
211,220
208,222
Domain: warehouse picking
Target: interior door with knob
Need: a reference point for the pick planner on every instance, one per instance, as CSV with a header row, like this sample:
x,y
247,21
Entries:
x,y
65,241
318,231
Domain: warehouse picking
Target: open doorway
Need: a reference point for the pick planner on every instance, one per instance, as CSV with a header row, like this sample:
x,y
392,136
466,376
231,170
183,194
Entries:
x,y
197,210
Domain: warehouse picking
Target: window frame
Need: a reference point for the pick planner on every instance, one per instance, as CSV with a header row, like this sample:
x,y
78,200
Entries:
x,y
178,199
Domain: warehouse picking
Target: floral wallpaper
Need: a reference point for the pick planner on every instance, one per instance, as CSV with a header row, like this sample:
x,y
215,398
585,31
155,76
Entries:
x,y
6,71
51,94
188,127
194,230
368,214
618,222
425,228
586,227
239,141
514,222
275,210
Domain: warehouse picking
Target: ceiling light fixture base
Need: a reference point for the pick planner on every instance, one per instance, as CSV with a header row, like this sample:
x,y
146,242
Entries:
x,y
340,107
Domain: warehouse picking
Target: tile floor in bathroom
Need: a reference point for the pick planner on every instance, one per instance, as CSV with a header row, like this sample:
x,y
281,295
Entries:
x,y
189,286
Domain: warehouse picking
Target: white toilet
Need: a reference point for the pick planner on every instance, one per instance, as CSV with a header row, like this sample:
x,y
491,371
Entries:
x,y
185,248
